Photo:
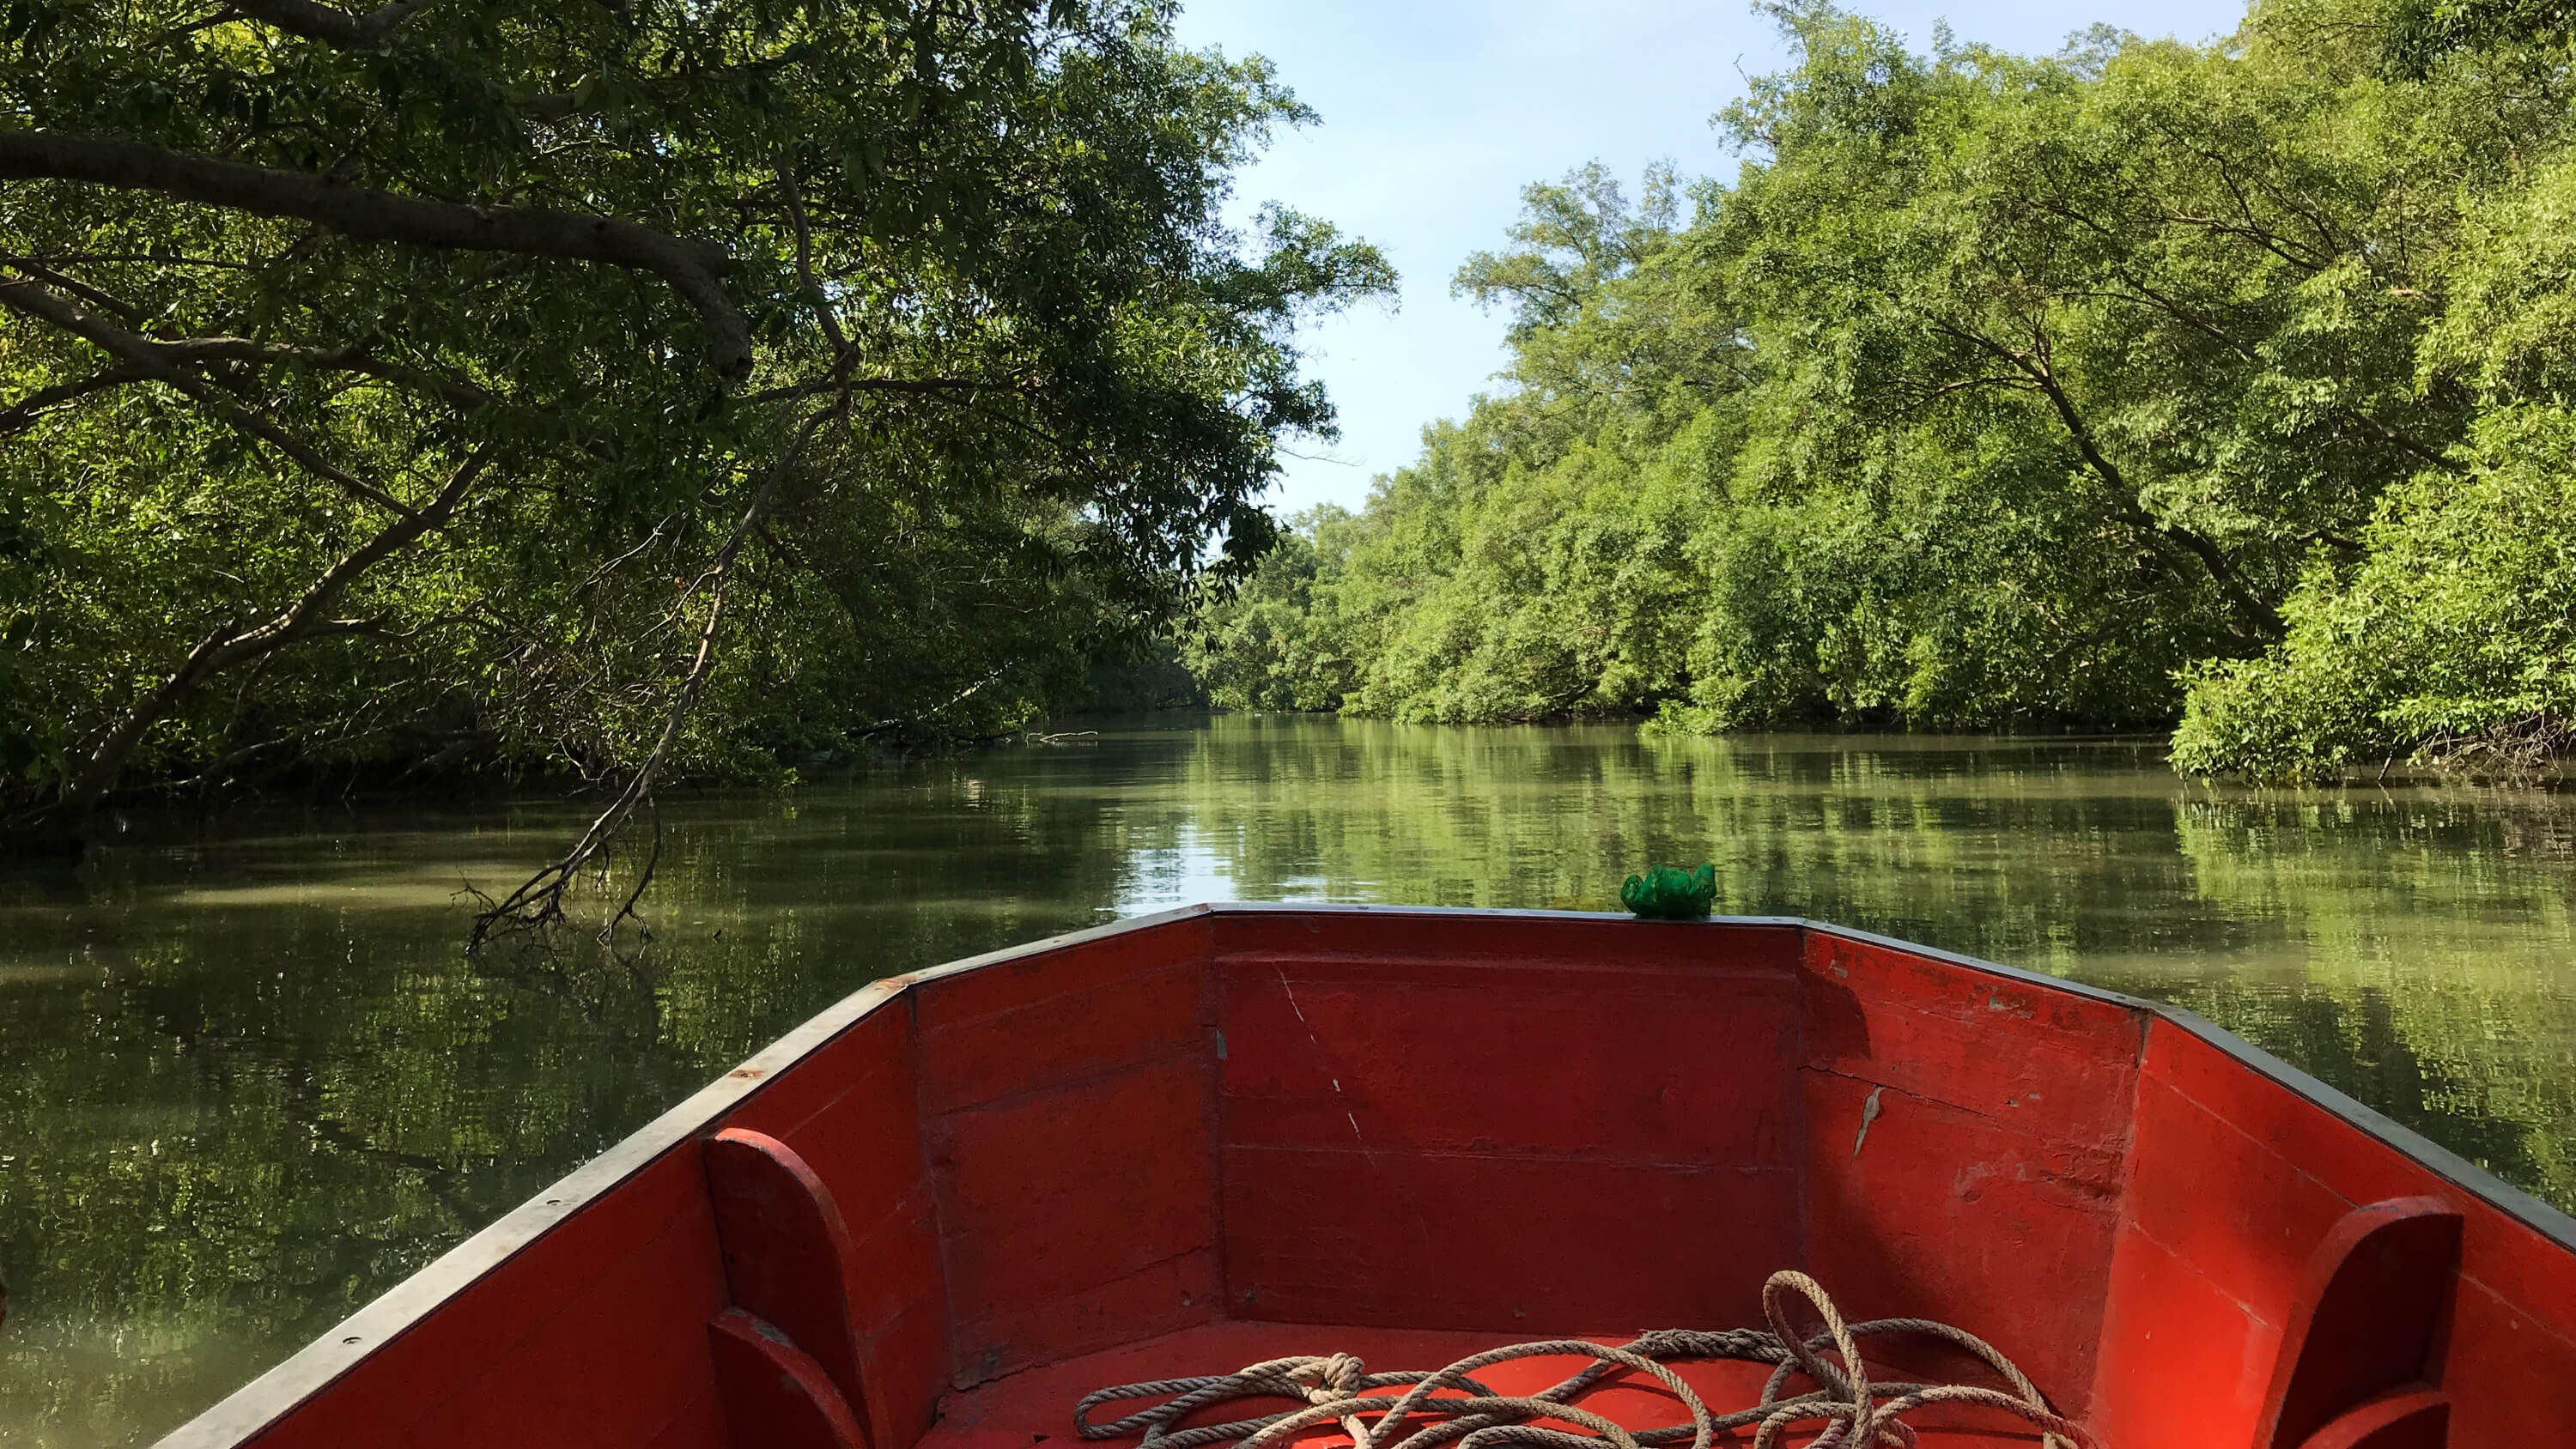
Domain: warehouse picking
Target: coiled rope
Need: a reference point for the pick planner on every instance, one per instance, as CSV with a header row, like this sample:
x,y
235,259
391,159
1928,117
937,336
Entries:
x,y
1338,1388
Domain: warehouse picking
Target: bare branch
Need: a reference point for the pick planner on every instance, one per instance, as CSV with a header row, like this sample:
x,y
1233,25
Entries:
x,y
2148,296
643,879
927,386
696,269
562,105
805,266
104,301
1925,397
613,565
152,259
464,397
197,351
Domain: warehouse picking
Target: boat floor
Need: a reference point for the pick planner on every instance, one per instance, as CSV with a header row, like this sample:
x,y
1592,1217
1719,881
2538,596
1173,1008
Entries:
x,y
1035,1406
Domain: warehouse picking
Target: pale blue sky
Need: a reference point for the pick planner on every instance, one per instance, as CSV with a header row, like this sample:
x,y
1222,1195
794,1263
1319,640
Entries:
x,y
1437,112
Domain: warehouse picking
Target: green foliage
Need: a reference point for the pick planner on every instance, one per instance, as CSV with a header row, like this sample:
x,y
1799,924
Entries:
x,y
1010,382
1999,390
2455,639
2452,642
1270,640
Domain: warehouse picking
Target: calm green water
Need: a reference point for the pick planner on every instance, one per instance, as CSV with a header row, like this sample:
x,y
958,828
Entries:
x,y
248,1082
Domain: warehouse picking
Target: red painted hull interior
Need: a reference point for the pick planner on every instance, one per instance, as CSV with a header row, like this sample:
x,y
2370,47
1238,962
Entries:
x,y
1181,1146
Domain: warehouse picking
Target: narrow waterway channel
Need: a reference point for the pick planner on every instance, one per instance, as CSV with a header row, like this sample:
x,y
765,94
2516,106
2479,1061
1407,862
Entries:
x,y
248,1080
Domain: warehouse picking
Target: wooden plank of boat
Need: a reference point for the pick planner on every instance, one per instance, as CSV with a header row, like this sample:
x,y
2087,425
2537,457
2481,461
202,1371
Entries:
x,y
940,1212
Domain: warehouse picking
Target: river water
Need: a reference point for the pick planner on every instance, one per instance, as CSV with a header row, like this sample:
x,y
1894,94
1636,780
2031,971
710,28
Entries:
x,y
247,1081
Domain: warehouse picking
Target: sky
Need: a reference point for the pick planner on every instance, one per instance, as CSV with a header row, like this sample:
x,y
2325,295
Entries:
x,y
1435,113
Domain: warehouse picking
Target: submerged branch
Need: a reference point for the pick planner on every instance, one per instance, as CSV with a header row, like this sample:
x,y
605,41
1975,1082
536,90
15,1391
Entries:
x,y
537,904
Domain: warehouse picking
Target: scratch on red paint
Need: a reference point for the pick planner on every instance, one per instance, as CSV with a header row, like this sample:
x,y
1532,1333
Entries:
x,y
1868,1114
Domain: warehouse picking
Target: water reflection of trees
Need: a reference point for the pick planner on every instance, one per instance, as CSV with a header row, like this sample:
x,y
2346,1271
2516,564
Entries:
x,y
247,1087
2434,979
1914,837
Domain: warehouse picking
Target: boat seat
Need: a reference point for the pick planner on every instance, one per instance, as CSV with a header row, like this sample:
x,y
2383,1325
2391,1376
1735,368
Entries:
x,y
1035,1406
788,1361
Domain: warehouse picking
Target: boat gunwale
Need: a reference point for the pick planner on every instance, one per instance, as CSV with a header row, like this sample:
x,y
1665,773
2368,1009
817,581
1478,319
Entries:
x,y
313,1368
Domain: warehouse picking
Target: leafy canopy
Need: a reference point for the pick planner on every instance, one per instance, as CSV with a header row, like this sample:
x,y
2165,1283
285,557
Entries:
x,y
611,388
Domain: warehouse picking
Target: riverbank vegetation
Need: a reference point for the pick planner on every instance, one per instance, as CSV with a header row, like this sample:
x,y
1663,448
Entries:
x,y
605,392
2145,384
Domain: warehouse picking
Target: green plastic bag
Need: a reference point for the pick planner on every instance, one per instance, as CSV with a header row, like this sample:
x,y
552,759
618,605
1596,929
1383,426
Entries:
x,y
1670,893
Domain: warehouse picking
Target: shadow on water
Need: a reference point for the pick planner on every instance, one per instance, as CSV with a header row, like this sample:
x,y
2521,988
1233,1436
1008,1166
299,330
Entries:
x,y
246,1083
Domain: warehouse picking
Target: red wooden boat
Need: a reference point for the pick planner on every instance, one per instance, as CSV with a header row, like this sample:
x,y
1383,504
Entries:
x,y
937,1214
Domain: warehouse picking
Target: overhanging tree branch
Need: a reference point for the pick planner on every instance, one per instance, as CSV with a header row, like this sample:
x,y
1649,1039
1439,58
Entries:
x,y
2146,295
18,416
143,356
330,24
103,300
696,269
140,355
2034,364
23,414
356,357
820,299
